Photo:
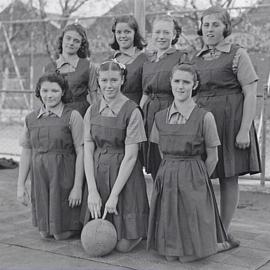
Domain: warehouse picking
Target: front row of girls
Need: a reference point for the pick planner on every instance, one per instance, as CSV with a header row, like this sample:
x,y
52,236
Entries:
x,y
183,222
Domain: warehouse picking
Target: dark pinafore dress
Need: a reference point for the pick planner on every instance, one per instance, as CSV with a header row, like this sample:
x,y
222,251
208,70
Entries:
x,y
52,173
184,219
109,135
132,87
156,81
221,93
78,85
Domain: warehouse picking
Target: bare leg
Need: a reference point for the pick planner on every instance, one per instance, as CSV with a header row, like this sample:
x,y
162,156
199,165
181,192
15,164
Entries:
x,y
229,197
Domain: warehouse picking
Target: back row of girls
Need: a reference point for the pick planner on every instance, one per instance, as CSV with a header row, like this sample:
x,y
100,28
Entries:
x,y
183,206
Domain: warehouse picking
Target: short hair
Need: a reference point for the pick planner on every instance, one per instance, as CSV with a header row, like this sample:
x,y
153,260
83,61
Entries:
x,y
222,14
176,27
53,77
187,67
139,41
83,51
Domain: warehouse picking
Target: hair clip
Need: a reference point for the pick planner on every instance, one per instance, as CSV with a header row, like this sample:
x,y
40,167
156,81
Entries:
x,y
122,66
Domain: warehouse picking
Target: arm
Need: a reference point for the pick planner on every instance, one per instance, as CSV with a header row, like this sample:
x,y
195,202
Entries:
x,y
143,100
94,200
249,112
93,85
75,196
211,160
126,167
25,163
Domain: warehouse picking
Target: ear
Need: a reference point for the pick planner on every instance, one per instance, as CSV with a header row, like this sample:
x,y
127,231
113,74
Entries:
x,y
195,85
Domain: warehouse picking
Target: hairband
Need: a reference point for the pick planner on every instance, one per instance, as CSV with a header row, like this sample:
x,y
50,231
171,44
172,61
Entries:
x,y
122,66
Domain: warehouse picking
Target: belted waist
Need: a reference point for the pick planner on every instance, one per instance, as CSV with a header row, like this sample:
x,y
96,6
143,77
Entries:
x,y
212,93
176,157
110,150
52,151
160,95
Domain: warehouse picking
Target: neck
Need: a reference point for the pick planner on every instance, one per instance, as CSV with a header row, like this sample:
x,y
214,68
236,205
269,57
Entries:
x,y
69,56
129,50
160,52
184,105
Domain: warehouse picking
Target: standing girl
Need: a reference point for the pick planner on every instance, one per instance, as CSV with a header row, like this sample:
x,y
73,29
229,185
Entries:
x,y
228,89
157,94
73,49
129,44
113,131
183,223
53,154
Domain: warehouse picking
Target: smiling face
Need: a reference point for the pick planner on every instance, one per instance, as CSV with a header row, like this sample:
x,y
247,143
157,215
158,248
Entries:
x,y
182,83
110,82
163,34
72,41
50,94
124,35
212,30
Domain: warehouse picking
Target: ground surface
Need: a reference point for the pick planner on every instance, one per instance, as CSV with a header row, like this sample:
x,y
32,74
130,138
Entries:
x,y
22,248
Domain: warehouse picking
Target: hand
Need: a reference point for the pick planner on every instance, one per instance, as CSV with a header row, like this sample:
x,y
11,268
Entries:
x,y
111,204
94,204
242,140
75,197
22,195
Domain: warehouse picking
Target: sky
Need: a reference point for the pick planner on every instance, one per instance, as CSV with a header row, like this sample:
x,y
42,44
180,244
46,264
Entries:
x,y
99,7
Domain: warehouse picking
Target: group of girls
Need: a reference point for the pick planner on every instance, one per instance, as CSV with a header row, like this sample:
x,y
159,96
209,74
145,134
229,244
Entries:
x,y
191,121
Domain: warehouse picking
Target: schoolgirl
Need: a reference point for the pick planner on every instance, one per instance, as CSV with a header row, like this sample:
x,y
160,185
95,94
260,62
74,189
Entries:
x,y
73,50
128,45
113,131
52,153
157,93
184,222
228,89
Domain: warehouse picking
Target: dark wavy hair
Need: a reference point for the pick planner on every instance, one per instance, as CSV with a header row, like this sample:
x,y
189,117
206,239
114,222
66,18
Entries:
x,y
188,67
222,14
139,41
83,51
176,26
53,78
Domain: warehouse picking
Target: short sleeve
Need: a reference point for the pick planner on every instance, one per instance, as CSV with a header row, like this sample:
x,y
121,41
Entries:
x,y
87,126
135,129
76,127
210,133
245,71
154,136
24,140
93,85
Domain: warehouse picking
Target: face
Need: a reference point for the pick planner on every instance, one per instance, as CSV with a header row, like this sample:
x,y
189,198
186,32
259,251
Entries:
x,y
163,34
212,29
182,83
51,94
124,35
72,41
110,83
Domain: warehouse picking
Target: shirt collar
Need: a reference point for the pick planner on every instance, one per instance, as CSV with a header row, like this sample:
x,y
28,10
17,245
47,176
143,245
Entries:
x,y
115,105
63,61
173,110
58,110
169,51
223,46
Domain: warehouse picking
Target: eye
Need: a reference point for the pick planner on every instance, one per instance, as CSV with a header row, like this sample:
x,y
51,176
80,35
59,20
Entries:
x,y
127,31
118,32
206,24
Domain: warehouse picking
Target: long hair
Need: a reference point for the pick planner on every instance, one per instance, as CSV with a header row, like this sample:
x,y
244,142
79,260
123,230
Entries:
x,y
139,41
83,51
